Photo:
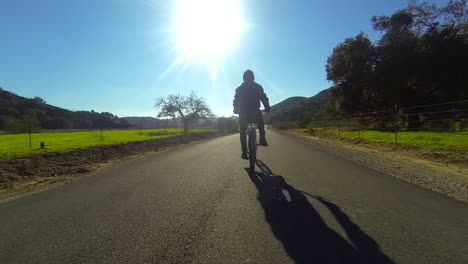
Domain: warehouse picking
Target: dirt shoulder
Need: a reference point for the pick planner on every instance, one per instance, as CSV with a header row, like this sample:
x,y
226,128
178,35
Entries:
x,y
27,174
443,171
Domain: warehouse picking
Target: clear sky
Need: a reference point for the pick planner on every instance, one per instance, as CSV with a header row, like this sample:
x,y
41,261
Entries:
x,y
116,55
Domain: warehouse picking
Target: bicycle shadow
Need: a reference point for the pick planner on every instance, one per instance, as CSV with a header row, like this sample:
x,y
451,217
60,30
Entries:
x,y
302,231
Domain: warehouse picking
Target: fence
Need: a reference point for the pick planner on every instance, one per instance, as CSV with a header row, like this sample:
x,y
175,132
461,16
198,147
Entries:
x,y
442,117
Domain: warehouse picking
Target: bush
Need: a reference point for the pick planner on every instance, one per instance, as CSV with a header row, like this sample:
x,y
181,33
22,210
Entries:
x,y
310,129
455,126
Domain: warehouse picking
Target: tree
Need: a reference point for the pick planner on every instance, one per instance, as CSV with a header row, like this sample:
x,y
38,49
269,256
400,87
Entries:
x,y
423,53
420,59
39,100
351,68
186,108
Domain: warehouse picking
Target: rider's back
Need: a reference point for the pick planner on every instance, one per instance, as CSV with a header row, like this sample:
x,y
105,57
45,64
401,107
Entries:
x,y
248,97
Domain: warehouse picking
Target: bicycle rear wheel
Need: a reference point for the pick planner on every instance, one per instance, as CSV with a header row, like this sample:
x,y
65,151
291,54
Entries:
x,y
252,150
252,163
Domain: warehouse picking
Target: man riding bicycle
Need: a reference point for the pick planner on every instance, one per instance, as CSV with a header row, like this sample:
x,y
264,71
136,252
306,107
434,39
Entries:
x,y
247,105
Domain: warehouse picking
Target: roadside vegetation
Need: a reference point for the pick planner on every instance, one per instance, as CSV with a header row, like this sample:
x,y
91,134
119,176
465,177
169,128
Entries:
x,y
429,139
12,145
436,140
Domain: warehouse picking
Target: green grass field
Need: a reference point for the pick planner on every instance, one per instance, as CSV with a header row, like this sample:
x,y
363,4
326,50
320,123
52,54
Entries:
x,y
12,145
442,140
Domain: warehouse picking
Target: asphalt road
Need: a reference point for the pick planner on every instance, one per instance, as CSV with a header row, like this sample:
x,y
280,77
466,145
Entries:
x,y
198,204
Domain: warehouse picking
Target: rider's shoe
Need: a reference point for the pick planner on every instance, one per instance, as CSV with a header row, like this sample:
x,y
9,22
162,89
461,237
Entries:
x,y
263,142
244,155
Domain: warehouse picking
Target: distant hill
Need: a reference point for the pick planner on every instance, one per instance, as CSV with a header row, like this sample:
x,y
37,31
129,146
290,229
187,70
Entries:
x,y
294,108
14,108
282,106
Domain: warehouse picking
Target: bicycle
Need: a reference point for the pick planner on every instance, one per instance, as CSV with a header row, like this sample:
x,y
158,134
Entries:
x,y
252,144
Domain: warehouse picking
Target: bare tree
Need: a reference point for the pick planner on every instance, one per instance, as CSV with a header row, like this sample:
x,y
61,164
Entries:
x,y
187,108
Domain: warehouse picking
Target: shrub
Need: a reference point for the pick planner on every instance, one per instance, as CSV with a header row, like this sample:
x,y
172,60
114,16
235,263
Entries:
x,y
310,129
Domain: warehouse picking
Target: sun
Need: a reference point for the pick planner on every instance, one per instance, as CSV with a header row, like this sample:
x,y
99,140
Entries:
x,y
205,31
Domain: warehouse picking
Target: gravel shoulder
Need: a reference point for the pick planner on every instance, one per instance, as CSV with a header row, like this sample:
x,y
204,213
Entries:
x,y
441,177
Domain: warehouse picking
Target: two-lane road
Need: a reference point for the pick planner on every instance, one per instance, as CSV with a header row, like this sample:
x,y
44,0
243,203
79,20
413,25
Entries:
x,y
198,204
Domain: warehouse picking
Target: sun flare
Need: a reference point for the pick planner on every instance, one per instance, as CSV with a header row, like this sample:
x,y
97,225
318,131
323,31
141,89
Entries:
x,y
205,31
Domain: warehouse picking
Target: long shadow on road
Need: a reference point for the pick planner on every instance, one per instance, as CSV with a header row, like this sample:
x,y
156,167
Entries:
x,y
302,231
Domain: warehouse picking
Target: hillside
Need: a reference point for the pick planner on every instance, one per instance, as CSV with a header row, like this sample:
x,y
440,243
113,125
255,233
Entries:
x,y
280,107
15,108
295,108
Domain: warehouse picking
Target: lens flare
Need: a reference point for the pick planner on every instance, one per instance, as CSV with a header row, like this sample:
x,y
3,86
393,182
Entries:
x,y
205,31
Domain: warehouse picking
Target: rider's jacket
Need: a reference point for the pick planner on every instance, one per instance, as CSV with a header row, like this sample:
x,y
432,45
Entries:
x,y
248,97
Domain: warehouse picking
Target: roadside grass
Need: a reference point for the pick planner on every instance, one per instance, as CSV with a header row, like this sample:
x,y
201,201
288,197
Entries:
x,y
436,140
13,145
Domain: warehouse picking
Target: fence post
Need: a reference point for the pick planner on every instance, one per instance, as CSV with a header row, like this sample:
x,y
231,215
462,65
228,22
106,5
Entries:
x,y
359,126
396,136
29,132
396,126
338,121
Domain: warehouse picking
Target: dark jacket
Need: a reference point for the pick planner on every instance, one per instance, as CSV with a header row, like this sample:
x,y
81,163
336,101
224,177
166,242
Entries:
x,y
248,97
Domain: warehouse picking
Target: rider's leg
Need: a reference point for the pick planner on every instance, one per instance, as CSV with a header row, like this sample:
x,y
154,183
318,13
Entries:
x,y
243,136
261,131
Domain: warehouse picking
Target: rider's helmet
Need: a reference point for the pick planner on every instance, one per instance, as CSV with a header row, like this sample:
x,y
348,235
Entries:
x,y
248,76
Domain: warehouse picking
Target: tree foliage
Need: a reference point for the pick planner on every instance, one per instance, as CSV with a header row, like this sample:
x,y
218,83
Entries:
x,y
186,108
420,59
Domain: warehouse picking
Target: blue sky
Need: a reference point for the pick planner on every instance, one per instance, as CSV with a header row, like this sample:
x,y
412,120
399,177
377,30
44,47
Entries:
x,y
111,55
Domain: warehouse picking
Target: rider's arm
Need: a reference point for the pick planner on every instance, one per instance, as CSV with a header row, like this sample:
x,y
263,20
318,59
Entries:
x,y
264,99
